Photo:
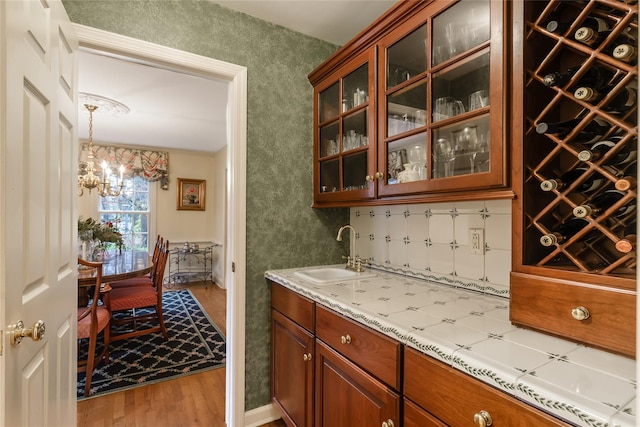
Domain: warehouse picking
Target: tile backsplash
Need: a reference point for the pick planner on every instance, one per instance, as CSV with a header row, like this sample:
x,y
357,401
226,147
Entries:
x,y
431,241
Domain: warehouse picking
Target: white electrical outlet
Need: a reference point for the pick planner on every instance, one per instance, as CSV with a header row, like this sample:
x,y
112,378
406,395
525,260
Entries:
x,y
476,241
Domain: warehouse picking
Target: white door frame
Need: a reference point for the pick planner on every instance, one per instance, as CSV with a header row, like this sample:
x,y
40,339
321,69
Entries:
x,y
173,59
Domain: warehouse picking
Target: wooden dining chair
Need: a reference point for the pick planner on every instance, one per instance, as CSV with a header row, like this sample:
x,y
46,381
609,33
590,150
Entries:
x,y
93,319
140,307
147,279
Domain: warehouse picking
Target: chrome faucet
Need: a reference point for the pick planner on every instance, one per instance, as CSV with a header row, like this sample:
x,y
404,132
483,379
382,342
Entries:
x,y
353,260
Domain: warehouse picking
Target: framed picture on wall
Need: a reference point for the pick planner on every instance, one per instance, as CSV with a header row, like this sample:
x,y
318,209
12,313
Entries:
x,y
190,194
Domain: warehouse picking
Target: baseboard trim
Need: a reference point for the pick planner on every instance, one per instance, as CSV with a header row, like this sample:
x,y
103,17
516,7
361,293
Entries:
x,y
262,415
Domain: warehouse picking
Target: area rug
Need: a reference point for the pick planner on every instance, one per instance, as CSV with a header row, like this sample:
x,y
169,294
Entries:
x,y
195,345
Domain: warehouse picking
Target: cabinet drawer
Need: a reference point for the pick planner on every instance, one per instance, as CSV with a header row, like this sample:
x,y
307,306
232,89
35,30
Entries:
x,y
455,397
371,350
295,307
547,305
415,416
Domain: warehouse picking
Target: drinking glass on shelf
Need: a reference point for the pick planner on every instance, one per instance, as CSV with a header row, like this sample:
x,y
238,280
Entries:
x,y
465,141
458,38
452,38
416,155
446,107
478,99
481,155
444,156
440,54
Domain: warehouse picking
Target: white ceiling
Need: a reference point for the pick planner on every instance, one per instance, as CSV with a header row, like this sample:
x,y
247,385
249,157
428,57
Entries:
x,y
335,21
172,110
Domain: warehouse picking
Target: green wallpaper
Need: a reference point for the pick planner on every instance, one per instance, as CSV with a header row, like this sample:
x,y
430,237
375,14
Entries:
x,y
282,230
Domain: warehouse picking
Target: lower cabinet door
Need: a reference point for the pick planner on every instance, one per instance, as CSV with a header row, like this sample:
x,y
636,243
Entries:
x,y
347,396
292,370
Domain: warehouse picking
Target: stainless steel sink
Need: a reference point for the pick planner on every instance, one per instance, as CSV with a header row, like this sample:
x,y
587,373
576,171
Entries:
x,y
332,274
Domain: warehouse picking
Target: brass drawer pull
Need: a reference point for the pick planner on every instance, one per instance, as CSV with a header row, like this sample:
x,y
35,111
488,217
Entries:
x,y
580,313
345,339
482,419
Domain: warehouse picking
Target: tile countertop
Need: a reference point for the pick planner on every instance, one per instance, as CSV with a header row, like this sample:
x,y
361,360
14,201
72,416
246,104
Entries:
x,y
472,333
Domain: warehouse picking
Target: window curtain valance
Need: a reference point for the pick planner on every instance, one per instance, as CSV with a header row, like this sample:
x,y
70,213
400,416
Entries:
x,y
147,164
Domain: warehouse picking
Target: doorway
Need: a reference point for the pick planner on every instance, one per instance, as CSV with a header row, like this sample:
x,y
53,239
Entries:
x,y
235,248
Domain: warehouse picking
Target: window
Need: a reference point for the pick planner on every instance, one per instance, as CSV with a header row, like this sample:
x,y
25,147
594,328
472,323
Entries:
x,y
129,212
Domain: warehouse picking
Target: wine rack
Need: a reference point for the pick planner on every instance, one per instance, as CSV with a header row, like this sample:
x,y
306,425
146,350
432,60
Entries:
x,y
589,257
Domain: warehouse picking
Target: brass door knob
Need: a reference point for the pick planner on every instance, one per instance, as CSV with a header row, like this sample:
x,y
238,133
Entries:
x,y
580,313
482,419
35,333
307,357
379,175
388,423
345,339
369,178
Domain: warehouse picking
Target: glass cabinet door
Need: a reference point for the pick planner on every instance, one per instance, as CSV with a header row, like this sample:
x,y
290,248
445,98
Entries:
x,y
436,107
456,91
459,29
404,117
343,131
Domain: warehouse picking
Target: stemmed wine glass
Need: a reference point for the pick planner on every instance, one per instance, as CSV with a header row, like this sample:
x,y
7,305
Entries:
x,y
480,156
444,156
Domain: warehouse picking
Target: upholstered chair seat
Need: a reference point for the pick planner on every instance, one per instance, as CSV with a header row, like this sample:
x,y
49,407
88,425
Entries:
x,y
137,310
84,325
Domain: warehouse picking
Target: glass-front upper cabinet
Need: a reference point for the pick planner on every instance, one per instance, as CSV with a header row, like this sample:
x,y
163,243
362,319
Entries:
x,y
441,111
344,128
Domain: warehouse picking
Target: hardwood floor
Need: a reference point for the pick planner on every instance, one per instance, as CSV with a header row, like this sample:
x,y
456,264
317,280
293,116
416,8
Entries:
x,y
190,401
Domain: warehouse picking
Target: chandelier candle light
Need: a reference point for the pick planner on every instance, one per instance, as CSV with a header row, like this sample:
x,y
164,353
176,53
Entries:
x,y
90,180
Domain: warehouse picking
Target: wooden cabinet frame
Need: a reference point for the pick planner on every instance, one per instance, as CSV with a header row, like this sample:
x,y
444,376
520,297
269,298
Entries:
x,y
390,27
543,295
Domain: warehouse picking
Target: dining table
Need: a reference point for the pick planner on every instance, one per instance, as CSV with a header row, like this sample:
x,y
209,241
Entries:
x,y
118,266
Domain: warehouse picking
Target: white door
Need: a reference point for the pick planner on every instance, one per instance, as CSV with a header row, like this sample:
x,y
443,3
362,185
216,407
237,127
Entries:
x,y
38,152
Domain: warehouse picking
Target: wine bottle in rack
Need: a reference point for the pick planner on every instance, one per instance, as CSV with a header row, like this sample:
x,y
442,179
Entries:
x,y
623,156
620,103
592,31
564,232
628,241
592,132
555,26
604,201
625,47
590,184
629,180
594,77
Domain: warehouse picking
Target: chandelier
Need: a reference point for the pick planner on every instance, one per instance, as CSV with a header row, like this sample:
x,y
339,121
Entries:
x,y
91,179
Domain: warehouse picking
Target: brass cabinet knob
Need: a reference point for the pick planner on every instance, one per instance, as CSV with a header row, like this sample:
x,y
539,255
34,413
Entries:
x,y
580,313
388,423
379,175
307,357
368,178
482,419
345,339
35,333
